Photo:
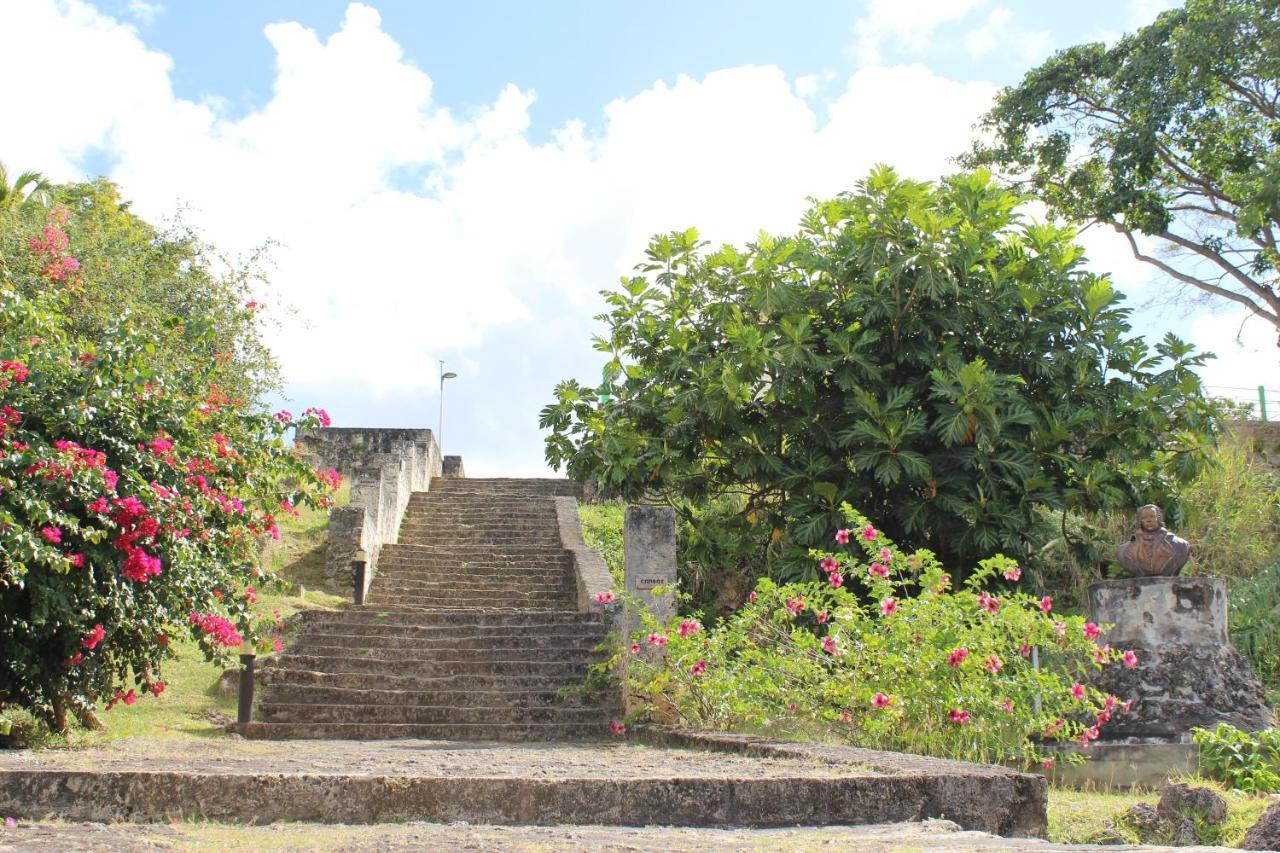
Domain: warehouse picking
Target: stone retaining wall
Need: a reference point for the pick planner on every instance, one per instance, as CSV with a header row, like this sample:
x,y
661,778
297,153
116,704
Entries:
x,y
384,467
589,571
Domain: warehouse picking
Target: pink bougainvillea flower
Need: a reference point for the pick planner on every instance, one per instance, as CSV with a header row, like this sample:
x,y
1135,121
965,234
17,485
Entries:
x,y
250,595
1102,654
1127,706
1013,574
869,533
888,606
93,637
617,728
160,446
823,616
1077,691
635,648
1046,604
157,688
16,370
878,570
687,627
957,657
10,823
989,602
958,716
1025,649
1054,727
795,605
1130,659
751,597
1047,763
698,668
1092,631
829,564
605,597
993,664
1007,705
829,645
846,717
129,698
657,640
52,534
1086,736
76,560
842,536
880,701
944,582
1060,628
885,555
836,580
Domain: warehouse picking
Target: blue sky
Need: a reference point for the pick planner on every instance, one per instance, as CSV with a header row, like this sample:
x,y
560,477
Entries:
x,y
458,180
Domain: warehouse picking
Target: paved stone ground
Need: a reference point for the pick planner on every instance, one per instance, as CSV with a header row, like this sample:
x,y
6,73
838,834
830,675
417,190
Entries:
x,y
455,759
936,835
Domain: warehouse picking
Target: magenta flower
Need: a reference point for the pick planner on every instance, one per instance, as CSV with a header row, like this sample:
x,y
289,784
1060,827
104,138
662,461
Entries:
x,y
958,716
1007,705
795,605
635,648
878,570
52,534
993,664
1013,574
829,645
1046,604
1060,628
160,446
617,728
687,627
1025,649
1130,659
93,637
869,533
1092,631
829,565
1047,763
698,668
957,657
751,597
842,536
1077,691
823,616
658,640
880,701
989,602
1102,654
10,823
76,560
604,597
888,606
836,580
886,556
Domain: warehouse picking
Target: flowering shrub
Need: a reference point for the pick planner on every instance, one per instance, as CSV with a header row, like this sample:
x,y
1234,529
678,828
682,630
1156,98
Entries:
x,y
905,662
131,504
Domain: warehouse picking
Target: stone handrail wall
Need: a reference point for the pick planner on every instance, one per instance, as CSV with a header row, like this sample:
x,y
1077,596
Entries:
x,y
589,571
384,467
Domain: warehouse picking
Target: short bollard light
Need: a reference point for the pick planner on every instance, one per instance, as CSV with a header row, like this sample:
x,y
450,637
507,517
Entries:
x,y
244,713
359,568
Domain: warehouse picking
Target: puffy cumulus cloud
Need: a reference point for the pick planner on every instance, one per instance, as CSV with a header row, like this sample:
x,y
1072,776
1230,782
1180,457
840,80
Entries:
x,y
906,23
1000,30
497,251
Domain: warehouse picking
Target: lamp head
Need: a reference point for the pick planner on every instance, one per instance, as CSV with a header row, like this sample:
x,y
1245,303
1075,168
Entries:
x,y
449,375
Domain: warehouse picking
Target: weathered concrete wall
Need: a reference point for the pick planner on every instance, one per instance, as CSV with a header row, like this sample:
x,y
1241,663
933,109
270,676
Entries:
x,y
1123,766
1263,438
453,467
384,467
1187,674
649,550
590,573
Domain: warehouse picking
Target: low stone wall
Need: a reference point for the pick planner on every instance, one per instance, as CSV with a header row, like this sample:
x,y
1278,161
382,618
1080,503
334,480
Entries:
x,y
589,571
1263,438
384,467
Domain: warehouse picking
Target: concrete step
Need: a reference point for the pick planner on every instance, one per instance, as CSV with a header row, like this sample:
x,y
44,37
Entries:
x,y
434,634
371,614
477,540
274,676
454,600
503,551
430,667
515,575
573,653
283,712
442,731
325,694
498,584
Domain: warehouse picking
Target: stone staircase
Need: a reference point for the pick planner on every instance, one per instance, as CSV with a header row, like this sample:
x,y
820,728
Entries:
x,y
469,631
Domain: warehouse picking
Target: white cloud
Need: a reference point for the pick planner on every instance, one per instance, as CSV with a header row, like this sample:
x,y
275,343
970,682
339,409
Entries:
x,y
908,23
1000,31
144,12
1143,12
1247,356
498,255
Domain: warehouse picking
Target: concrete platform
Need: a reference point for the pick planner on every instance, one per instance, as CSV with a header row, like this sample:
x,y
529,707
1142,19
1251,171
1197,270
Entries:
x,y
1124,766
670,778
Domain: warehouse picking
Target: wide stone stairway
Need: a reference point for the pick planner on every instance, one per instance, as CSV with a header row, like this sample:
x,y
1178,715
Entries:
x,y
470,631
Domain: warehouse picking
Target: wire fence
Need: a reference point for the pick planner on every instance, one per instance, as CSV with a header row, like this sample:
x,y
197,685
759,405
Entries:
x,y
1257,403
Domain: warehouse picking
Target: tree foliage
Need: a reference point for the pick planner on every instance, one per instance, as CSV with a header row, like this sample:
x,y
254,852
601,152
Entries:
x,y
1171,134
133,492
922,351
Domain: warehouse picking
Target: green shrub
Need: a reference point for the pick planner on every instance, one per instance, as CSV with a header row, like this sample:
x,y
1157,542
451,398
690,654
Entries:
x,y
910,664
602,531
1246,761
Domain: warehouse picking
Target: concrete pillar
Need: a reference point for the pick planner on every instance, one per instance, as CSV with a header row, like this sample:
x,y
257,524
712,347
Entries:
x,y
649,548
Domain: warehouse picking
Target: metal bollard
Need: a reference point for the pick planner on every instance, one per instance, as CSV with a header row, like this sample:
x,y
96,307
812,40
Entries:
x,y
244,713
359,572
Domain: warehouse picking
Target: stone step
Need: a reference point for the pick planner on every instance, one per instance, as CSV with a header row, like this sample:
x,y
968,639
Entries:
x,y
419,666
523,698
447,618
577,653
429,634
477,540
500,551
274,676
515,574
442,731
548,582
282,712
454,600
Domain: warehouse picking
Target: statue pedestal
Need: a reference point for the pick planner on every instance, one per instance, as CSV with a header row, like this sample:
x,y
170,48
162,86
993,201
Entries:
x,y
1187,675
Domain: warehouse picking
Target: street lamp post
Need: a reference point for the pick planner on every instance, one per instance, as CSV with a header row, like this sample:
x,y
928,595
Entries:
x,y
440,435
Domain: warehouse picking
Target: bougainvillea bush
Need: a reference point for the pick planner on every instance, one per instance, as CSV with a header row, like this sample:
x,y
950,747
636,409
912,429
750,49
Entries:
x,y
886,653
132,501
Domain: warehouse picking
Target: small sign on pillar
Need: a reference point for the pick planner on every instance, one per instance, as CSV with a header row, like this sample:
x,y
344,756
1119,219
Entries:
x,y
649,548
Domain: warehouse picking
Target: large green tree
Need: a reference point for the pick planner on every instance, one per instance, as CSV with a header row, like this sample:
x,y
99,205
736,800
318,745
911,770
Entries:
x,y
1170,136
922,352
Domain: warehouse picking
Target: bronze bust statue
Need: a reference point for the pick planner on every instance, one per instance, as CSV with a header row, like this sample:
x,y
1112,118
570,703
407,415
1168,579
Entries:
x,y
1152,551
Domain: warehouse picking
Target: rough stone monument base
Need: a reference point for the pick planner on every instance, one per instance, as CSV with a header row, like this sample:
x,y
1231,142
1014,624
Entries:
x,y
1187,675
